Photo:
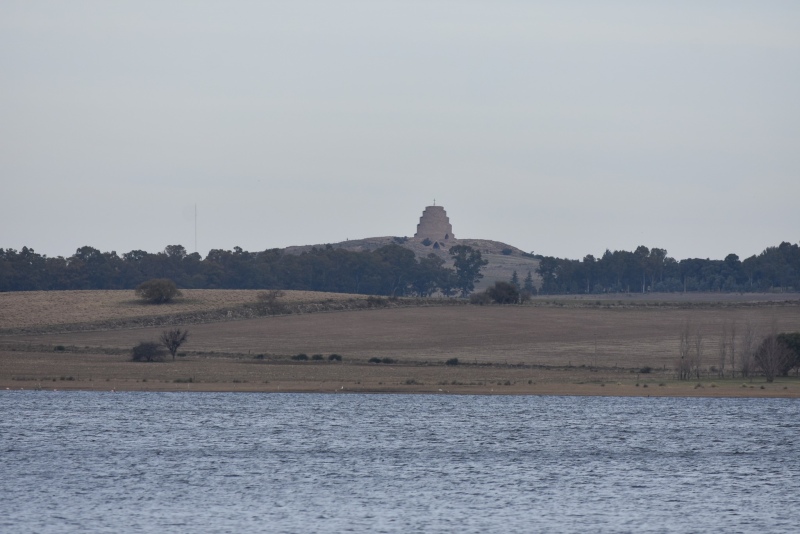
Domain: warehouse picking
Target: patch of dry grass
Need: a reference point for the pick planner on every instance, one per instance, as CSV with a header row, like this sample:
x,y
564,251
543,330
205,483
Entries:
x,y
502,349
36,308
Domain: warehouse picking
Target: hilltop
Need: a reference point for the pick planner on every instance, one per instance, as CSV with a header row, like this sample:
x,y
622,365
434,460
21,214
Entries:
x,y
503,258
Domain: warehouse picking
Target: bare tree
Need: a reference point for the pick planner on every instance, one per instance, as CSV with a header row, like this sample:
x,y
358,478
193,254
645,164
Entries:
x,y
732,347
697,356
684,363
173,339
748,348
771,357
722,350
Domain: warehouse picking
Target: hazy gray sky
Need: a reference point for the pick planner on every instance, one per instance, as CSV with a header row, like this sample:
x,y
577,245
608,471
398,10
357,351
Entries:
x,y
560,127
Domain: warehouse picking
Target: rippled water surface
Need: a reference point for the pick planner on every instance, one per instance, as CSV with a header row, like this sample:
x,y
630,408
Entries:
x,y
175,462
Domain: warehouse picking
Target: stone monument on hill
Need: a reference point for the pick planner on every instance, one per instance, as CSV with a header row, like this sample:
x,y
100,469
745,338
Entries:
x,y
435,225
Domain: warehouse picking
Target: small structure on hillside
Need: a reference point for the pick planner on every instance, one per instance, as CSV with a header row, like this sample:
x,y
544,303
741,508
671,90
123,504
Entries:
x,y
435,225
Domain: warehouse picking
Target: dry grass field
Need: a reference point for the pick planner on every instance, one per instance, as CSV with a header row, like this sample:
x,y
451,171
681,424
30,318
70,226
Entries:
x,y
26,309
546,348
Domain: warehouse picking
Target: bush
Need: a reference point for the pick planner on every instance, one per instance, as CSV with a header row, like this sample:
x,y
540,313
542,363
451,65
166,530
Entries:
x,y
381,360
267,303
480,299
317,357
504,293
427,242
147,351
334,358
507,252
376,302
646,370
158,290
452,361
300,357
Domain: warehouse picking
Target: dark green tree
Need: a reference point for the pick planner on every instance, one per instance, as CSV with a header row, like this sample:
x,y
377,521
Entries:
x,y
528,286
792,343
515,279
468,263
504,293
147,351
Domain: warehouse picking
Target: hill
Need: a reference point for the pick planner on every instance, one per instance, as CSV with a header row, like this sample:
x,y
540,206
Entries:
x,y
503,258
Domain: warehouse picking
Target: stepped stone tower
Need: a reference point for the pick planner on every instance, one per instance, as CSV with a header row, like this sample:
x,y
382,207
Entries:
x,y
435,225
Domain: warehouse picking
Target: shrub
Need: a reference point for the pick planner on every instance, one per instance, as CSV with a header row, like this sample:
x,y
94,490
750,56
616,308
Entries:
x,y
317,357
158,290
267,303
375,302
59,348
480,298
507,252
452,361
300,357
427,242
504,293
334,358
646,370
380,360
374,360
147,351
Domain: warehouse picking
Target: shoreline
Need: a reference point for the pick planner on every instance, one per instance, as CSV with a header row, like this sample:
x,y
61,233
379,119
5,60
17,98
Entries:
x,y
788,389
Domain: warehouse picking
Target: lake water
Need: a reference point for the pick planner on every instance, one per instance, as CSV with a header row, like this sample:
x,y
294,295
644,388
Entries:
x,y
234,462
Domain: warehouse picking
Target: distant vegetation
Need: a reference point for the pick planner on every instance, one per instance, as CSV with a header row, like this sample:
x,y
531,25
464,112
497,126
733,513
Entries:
x,y
643,270
147,351
391,270
158,290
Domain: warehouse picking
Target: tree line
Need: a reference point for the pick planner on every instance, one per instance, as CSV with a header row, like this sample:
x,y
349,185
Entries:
x,y
737,351
643,270
391,270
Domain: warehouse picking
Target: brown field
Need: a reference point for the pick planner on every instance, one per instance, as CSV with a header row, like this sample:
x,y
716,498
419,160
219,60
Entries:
x,y
556,348
37,308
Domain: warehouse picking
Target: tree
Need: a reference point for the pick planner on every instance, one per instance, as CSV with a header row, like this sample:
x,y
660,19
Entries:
x,y
723,350
772,356
504,293
792,343
173,339
147,351
684,363
468,263
527,285
515,279
732,347
267,303
158,290
697,357
748,348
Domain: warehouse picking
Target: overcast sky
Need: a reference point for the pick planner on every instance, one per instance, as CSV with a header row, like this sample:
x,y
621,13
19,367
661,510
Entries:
x,y
563,128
